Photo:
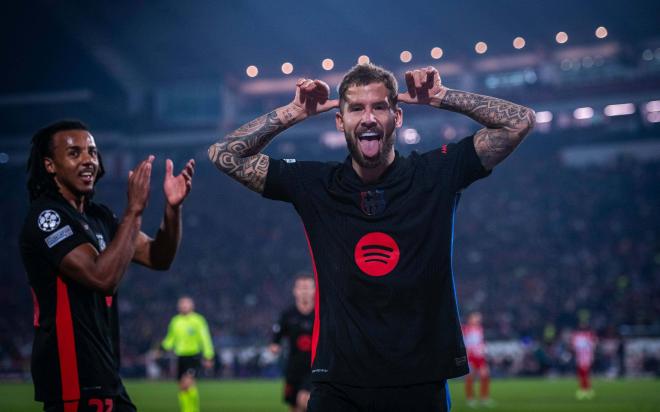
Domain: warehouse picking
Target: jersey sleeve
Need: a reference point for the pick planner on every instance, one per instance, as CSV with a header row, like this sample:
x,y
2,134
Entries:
x,y
278,330
290,181
168,342
282,181
207,344
456,163
51,232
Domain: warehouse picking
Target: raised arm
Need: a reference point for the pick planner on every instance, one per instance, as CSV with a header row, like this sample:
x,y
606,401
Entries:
x,y
103,271
159,252
239,153
506,124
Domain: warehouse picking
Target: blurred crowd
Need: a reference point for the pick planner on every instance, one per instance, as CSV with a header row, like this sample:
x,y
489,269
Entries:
x,y
539,247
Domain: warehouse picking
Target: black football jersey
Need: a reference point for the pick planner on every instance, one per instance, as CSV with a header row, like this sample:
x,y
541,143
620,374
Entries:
x,y
386,310
297,328
76,344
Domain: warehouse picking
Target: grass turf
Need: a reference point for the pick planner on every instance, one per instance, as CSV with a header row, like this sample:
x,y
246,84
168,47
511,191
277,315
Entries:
x,y
538,395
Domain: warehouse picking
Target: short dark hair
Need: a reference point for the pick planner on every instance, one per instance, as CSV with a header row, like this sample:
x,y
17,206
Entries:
x,y
364,74
39,180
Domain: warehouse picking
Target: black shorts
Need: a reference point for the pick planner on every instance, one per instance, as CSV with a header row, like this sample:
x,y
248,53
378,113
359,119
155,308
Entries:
x,y
188,364
293,386
332,397
119,403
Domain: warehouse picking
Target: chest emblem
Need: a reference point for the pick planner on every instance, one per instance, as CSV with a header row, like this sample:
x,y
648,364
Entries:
x,y
304,343
376,254
372,202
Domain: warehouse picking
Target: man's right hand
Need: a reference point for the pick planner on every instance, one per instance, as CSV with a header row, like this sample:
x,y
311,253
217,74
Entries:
x,y
139,180
274,348
312,97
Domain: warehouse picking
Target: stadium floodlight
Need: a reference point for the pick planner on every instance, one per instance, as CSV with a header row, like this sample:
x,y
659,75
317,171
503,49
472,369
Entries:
x,y
518,43
252,71
333,139
653,106
619,109
410,136
405,56
436,52
653,117
583,113
287,68
481,47
601,32
543,117
364,59
561,37
449,133
328,64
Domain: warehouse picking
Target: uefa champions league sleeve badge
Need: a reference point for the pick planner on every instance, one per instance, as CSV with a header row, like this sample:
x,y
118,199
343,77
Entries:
x,y
48,220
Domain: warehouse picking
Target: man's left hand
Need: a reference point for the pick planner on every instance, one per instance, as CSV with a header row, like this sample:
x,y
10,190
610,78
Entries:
x,y
424,87
176,188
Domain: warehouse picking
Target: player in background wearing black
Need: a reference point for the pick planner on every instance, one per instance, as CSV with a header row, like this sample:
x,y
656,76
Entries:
x,y
76,252
387,334
296,326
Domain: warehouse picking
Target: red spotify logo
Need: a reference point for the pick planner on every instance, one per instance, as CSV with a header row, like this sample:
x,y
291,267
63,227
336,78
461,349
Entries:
x,y
304,343
376,254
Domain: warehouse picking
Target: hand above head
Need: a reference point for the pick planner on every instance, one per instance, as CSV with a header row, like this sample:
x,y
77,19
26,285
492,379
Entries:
x,y
424,87
313,97
139,181
176,188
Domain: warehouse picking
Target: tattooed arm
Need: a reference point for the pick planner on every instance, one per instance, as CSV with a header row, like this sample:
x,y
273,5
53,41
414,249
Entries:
x,y
506,124
239,153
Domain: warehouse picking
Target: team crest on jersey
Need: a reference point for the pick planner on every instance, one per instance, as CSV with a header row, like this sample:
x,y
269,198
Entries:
x,y
48,220
99,238
372,202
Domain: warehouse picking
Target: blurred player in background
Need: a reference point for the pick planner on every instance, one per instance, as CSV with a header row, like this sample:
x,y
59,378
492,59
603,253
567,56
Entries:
x,y
473,335
189,337
583,342
76,252
296,324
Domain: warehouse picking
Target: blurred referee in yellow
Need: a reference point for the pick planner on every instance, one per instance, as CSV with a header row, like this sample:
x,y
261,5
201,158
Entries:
x,y
189,337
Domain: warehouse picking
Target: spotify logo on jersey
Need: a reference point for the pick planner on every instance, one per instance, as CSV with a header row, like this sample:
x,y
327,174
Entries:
x,y
376,254
304,343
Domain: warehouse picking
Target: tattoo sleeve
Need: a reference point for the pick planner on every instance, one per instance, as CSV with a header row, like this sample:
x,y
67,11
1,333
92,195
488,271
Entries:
x,y
239,153
506,124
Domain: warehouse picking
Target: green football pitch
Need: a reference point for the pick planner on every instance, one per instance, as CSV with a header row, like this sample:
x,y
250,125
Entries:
x,y
542,395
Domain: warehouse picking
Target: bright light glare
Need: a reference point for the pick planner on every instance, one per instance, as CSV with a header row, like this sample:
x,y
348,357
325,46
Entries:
x,y
436,52
252,71
543,117
583,113
287,68
619,109
561,37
